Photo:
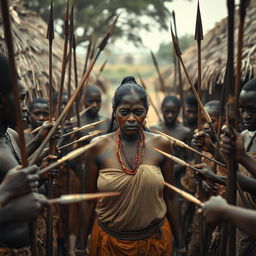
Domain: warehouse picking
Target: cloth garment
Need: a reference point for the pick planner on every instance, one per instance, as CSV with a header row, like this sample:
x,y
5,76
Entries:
x,y
24,251
140,202
103,244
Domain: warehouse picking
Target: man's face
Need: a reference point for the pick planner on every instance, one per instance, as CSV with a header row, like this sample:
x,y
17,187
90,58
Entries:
x,y
248,109
23,106
93,99
215,121
191,114
39,114
170,113
130,114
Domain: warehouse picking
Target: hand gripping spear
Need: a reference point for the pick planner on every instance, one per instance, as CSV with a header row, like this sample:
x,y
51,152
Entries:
x,y
205,113
15,92
198,37
63,114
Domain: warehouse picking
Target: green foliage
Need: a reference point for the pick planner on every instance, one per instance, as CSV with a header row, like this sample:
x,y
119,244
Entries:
x,y
165,51
94,16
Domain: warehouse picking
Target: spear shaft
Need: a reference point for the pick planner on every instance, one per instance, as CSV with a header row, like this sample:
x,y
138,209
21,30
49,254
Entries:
x,y
49,224
198,38
177,63
163,86
64,62
231,116
242,14
75,93
150,99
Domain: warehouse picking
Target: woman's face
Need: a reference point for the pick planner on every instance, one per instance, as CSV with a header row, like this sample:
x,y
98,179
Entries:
x,y
130,114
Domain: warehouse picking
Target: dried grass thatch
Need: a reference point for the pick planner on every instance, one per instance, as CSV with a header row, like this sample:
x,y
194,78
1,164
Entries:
x,y
31,49
214,54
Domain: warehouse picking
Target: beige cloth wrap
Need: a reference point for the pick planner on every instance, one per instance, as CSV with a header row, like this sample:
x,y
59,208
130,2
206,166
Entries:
x,y
141,200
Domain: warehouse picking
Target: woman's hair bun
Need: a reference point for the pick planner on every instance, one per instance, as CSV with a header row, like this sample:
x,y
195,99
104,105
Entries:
x,y
129,79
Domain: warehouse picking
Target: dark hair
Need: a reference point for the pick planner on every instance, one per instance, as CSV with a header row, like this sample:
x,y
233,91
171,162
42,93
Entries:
x,y
55,96
92,88
191,100
171,98
36,101
127,86
213,105
6,86
250,86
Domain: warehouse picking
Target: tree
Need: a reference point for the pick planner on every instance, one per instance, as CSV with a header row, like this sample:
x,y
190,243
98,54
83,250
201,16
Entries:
x,y
92,17
165,51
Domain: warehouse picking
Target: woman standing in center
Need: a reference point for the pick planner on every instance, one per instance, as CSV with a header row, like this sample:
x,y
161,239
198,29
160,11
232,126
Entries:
x,y
136,222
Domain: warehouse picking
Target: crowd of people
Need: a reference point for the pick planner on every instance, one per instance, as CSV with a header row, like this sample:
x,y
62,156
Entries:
x,y
146,218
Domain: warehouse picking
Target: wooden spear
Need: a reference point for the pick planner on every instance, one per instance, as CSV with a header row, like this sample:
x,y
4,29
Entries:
x,y
70,156
88,54
184,145
205,113
50,37
242,14
150,99
15,92
177,63
64,62
83,138
163,87
76,81
87,126
199,37
49,224
101,46
230,119
176,159
184,194
76,198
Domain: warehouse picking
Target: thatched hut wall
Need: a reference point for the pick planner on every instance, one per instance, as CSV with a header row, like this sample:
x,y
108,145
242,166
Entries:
x,y
32,51
214,55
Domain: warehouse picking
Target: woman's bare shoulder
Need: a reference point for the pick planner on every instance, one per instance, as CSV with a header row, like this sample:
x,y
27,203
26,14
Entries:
x,y
157,140
103,140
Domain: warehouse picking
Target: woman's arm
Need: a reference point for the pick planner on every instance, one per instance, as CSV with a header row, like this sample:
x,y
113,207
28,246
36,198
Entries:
x,y
90,182
171,197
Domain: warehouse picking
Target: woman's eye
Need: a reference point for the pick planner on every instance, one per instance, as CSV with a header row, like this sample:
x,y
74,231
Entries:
x,y
124,112
138,112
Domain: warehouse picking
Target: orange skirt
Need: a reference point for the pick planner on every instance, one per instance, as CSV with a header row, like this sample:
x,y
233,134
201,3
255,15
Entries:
x,y
102,244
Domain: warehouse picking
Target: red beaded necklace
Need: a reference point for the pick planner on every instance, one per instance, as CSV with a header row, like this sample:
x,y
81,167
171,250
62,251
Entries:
x,y
139,153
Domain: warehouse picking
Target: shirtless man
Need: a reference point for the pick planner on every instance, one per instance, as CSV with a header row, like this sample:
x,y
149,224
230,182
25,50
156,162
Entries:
x,y
191,112
13,234
170,110
38,114
92,98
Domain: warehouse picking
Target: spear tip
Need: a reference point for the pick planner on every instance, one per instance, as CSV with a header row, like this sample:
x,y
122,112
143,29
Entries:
x,y
199,27
175,44
50,28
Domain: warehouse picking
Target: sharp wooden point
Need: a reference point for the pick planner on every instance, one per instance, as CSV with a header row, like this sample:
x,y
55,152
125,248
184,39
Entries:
x,y
66,27
199,27
175,44
50,28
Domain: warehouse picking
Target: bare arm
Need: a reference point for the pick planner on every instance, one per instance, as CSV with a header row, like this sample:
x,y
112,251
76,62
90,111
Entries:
x,y
90,182
217,209
171,198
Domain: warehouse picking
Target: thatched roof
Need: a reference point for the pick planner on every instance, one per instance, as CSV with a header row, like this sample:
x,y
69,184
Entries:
x,y
31,49
214,54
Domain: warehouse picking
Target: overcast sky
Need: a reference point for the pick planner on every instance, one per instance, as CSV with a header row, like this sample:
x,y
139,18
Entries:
x,y
212,11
